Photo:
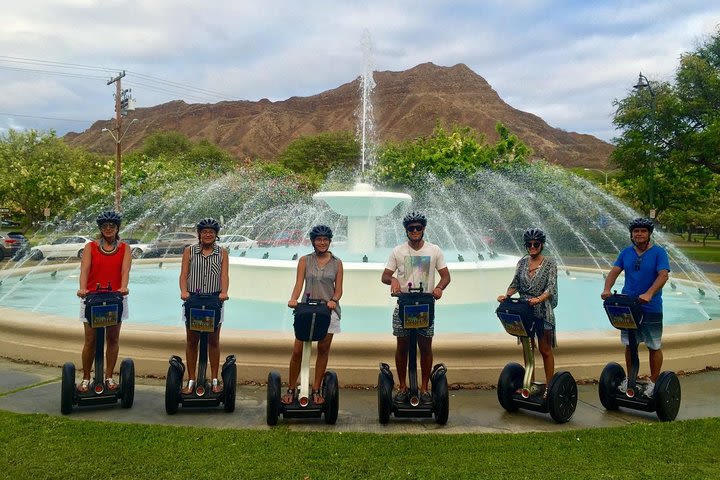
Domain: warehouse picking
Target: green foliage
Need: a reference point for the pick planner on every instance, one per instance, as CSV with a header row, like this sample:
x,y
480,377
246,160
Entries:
x,y
317,155
455,154
41,171
669,149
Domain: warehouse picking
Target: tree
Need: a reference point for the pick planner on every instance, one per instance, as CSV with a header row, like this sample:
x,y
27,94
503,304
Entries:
x,y
43,172
669,148
458,153
319,154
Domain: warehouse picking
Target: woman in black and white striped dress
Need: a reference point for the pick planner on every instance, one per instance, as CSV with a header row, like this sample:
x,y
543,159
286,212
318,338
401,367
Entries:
x,y
204,270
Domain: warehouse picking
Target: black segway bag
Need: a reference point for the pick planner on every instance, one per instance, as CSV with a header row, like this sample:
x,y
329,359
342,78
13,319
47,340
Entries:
x,y
623,311
416,309
516,317
312,320
103,308
202,312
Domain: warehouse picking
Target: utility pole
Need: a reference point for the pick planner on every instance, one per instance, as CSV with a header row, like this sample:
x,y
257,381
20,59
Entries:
x,y
117,138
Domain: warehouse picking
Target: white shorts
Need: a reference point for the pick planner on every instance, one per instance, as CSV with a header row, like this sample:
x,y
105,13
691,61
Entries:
x,y
122,318
334,323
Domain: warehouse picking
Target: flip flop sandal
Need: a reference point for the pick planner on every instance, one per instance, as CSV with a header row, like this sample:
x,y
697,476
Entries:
x,y
216,387
317,395
84,386
289,396
190,387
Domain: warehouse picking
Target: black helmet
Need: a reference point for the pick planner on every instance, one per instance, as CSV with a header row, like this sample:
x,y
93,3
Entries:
x,y
109,216
320,231
208,223
414,217
642,223
534,234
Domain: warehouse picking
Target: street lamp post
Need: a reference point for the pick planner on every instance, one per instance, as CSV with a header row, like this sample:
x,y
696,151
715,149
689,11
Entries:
x,y
641,84
604,172
118,158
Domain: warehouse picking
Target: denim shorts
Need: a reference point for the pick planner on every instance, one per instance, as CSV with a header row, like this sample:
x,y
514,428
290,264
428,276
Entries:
x,y
650,331
400,331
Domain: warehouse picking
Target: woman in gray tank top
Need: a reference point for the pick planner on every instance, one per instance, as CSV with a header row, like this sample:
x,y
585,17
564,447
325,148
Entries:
x,y
321,273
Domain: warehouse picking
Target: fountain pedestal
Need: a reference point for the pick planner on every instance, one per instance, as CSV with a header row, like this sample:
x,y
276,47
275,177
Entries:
x,y
362,206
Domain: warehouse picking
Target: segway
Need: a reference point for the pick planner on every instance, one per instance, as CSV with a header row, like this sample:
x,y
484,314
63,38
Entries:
x,y
203,315
312,320
416,310
103,308
516,388
625,313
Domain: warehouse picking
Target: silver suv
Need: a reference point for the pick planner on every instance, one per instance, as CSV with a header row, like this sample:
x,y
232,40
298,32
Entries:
x,y
170,243
13,245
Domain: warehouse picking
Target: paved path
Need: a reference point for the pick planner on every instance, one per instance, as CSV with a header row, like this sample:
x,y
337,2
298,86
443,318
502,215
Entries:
x,y
471,411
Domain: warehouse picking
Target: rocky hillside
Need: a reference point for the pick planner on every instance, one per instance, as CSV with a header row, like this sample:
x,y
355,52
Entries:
x,y
406,105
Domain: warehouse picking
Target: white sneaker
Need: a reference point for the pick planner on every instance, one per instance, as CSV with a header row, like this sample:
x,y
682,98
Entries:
x,y
649,388
623,385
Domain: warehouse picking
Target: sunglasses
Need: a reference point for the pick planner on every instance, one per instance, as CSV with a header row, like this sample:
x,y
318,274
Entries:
x,y
533,245
638,261
415,228
107,225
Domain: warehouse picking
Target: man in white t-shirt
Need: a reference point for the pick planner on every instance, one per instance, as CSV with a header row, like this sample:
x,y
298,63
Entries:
x,y
415,262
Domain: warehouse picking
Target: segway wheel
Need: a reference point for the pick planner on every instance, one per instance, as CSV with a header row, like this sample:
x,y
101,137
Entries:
x,y
230,388
331,393
385,388
610,379
67,390
562,397
511,378
273,399
173,384
441,400
127,383
667,396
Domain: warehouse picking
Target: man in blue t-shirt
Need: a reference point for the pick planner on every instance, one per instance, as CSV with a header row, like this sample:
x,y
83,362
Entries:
x,y
646,268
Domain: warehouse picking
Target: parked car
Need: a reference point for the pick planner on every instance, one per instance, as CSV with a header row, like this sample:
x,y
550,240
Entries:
x,y
170,243
62,247
13,245
236,242
284,238
137,248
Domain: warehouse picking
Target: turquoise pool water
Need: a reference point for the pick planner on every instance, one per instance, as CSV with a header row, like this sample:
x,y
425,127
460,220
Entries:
x,y
154,300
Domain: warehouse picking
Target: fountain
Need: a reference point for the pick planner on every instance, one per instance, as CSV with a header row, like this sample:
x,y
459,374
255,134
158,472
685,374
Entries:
x,y
471,220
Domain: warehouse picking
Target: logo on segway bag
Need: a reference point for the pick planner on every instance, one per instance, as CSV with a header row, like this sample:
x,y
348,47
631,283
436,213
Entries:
x,y
513,324
416,316
202,320
621,317
103,315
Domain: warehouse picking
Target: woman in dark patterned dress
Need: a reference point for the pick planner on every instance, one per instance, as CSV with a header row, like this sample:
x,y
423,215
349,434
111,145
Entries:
x,y
536,281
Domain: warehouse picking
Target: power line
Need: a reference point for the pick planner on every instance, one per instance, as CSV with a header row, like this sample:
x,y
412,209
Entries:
x,y
8,114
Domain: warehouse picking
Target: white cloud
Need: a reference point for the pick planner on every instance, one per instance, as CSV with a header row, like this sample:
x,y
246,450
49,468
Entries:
x,y
563,60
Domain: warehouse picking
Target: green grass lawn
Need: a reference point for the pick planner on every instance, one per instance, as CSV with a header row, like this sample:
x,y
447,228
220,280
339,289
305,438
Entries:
x,y
698,253
42,446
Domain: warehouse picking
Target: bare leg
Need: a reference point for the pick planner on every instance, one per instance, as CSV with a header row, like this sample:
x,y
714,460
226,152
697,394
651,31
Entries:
x,y
426,361
401,359
656,361
112,336
191,355
88,351
295,361
545,347
214,353
323,352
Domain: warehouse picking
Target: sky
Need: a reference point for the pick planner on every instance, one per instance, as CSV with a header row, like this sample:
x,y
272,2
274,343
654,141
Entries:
x,y
565,61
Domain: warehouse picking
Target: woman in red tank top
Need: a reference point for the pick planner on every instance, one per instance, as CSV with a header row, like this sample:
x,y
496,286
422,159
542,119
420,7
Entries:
x,y
105,262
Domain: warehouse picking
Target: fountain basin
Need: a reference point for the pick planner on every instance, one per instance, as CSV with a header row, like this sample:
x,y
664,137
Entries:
x,y
267,280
